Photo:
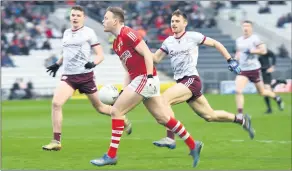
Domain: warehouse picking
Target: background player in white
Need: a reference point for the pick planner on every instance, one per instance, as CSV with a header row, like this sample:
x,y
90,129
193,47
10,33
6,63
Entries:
x,y
182,48
78,72
248,47
141,82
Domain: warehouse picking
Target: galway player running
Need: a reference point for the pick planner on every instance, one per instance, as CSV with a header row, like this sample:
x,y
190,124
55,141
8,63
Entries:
x,y
141,82
248,47
182,48
78,72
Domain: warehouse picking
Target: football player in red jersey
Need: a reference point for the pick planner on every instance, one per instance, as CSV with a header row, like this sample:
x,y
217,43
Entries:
x,y
141,82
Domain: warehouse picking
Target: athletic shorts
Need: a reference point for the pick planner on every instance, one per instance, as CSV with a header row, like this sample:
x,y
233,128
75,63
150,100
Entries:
x,y
83,82
253,75
138,84
267,77
194,84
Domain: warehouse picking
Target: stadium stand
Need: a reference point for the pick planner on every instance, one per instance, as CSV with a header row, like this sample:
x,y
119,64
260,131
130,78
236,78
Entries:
x,y
151,19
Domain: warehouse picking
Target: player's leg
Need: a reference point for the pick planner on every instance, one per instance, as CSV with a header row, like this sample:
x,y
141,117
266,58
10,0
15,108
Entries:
x,y
265,92
240,83
63,92
255,77
106,109
86,84
182,93
161,112
125,102
267,78
202,107
278,81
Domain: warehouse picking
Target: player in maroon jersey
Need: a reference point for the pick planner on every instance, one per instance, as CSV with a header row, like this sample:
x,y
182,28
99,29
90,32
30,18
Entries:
x,y
141,82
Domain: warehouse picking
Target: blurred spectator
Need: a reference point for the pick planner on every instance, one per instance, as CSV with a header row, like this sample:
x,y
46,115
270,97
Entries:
x,y
24,24
155,16
285,18
264,7
20,90
6,61
283,52
47,45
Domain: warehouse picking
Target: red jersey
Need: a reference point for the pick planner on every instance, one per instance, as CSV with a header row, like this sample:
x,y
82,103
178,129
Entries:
x,y
124,46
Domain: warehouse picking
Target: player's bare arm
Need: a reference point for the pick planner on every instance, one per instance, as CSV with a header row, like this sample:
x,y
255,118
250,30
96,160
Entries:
x,y
143,50
158,56
214,43
237,56
60,61
99,57
127,79
260,50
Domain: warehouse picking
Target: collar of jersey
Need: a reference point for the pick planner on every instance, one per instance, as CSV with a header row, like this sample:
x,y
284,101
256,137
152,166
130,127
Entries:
x,y
77,29
180,36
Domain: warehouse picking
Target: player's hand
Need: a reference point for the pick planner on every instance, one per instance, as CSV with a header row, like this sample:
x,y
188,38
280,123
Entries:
x,y
89,65
271,69
233,66
150,84
53,69
247,52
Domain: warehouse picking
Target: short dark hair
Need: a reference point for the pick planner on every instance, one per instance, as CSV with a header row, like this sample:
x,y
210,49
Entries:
x,y
118,12
178,13
247,21
78,8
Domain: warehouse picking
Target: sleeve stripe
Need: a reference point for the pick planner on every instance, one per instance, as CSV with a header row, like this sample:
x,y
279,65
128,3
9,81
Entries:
x,y
164,50
203,40
95,44
132,36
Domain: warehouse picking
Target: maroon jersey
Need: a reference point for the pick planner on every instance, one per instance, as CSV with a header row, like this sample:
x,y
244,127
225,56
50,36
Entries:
x,y
124,46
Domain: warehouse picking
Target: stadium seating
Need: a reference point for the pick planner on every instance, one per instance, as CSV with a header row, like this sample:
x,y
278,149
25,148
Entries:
x,y
269,21
211,65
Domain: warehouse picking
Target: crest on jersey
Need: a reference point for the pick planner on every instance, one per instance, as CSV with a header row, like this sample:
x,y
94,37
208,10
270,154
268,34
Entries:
x,y
119,45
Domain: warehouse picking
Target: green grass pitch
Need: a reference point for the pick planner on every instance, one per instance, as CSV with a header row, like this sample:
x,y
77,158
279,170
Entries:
x,y
26,126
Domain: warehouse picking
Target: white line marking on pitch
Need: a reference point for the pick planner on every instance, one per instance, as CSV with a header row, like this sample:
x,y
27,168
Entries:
x,y
136,138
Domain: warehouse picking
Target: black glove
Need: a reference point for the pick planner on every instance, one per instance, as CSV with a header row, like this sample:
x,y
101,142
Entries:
x,y
53,68
89,65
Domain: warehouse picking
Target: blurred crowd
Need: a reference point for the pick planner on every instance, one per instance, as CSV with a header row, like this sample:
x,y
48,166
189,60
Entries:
x,y
285,18
24,27
153,17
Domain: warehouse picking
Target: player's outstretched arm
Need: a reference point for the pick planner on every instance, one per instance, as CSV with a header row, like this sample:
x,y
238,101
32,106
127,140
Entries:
x,y
260,50
159,55
233,64
99,56
143,50
60,61
214,43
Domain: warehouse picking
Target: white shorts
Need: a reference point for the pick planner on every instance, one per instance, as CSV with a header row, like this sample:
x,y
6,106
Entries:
x,y
139,86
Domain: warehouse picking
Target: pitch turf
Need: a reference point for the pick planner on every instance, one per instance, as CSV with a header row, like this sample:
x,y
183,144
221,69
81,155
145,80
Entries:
x,y
27,126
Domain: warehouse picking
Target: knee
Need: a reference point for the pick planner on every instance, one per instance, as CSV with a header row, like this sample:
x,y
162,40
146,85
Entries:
x,y
238,91
115,112
162,120
209,118
56,105
262,92
99,108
